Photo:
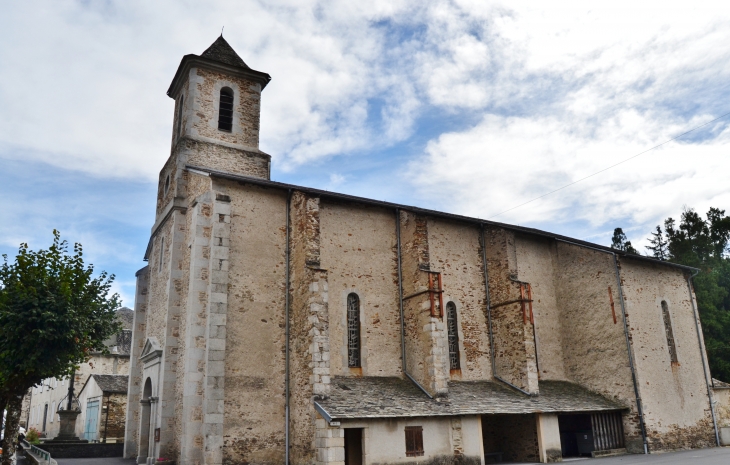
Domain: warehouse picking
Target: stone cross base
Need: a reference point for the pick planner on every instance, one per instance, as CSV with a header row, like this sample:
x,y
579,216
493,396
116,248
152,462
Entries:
x,y
67,431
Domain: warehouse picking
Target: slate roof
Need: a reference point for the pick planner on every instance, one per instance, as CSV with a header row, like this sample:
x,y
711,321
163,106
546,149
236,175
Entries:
x,y
112,383
381,397
222,52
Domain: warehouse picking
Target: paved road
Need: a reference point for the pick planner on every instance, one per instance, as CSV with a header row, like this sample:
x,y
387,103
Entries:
x,y
716,456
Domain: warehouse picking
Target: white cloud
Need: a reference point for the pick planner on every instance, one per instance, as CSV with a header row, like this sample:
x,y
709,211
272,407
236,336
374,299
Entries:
x,y
558,90
84,83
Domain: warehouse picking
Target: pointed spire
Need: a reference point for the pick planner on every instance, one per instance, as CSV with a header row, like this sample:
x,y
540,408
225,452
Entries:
x,y
221,51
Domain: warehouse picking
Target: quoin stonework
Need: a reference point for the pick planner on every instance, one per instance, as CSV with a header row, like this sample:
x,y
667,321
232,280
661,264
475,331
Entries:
x,y
277,322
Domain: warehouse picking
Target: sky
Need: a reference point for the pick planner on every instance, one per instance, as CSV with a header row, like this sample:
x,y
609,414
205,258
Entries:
x,y
466,106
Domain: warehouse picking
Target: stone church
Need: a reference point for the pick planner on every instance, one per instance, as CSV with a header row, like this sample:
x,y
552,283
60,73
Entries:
x,y
278,324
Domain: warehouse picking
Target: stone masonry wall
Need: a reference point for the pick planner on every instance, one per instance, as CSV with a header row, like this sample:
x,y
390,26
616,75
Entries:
x,y
113,416
536,265
358,251
722,409
227,159
309,338
514,343
594,347
425,338
676,405
206,85
455,251
253,429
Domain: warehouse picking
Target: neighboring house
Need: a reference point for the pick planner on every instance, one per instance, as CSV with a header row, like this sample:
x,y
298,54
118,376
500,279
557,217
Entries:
x,y
103,402
44,398
279,322
722,396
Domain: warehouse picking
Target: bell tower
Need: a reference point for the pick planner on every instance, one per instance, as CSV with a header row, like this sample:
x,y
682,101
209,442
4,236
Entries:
x,y
217,113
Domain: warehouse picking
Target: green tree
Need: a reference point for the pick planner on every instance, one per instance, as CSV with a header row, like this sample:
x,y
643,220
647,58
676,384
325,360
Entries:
x,y
619,241
658,245
53,313
703,243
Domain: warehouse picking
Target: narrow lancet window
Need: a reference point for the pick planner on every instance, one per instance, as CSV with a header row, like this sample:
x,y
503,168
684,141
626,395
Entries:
x,y
225,110
453,333
353,331
669,332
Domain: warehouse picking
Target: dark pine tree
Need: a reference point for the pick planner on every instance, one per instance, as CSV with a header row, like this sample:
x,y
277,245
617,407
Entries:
x,y
619,241
658,245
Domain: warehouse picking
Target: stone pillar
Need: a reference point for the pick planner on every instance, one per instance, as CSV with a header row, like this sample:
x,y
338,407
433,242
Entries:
x,y
425,329
168,373
205,334
139,336
154,424
514,339
548,438
215,351
309,325
330,444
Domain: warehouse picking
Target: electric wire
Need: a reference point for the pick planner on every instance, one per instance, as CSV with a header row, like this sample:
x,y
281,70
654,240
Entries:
x,y
609,167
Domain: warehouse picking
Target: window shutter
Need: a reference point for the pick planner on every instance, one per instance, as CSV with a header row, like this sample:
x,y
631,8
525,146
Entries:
x,y
414,441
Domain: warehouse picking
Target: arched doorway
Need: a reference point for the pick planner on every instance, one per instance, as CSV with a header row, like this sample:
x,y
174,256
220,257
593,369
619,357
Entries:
x,y
144,427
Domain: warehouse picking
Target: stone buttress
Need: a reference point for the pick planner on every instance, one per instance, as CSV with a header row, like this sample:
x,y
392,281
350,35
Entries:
x,y
309,323
513,332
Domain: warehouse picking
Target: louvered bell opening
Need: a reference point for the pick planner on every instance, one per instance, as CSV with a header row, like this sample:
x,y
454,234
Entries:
x,y
225,111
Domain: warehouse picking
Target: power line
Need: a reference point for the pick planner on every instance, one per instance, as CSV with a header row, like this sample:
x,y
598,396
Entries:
x,y
612,166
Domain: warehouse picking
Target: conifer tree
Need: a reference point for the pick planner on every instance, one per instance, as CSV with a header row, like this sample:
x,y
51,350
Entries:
x,y
658,245
621,242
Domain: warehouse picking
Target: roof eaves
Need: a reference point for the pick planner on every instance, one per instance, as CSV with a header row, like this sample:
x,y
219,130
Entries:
x,y
436,213
190,60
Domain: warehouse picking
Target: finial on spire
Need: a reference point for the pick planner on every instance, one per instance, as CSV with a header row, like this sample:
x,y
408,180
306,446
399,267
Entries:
x,y
222,31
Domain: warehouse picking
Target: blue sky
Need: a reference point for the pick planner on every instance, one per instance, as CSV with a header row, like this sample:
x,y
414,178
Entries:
x,y
466,106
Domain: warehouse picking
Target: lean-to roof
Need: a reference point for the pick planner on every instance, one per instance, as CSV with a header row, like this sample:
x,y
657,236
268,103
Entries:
x,y
392,397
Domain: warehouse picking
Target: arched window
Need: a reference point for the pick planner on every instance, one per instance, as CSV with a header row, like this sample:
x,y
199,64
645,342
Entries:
x,y
353,331
669,332
225,110
453,334
167,185
180,116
